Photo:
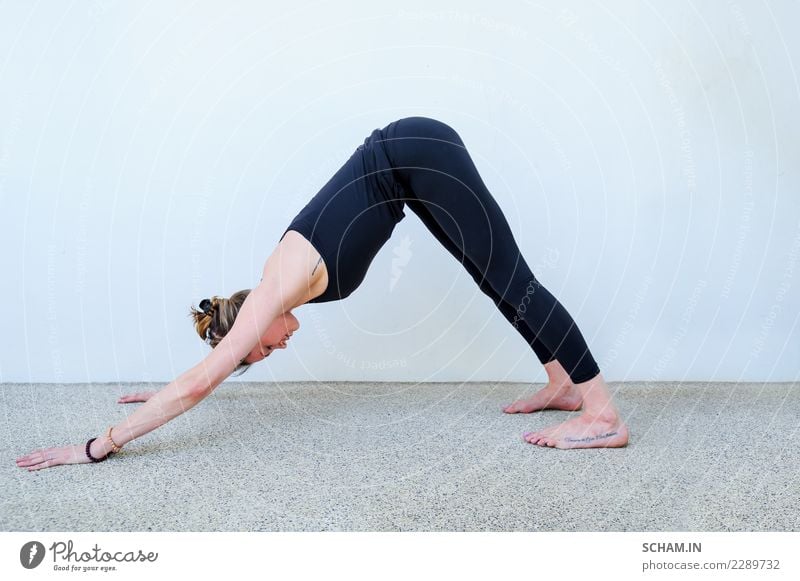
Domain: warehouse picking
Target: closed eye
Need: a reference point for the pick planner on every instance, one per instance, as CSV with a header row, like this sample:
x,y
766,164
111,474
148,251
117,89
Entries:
x,y
265,354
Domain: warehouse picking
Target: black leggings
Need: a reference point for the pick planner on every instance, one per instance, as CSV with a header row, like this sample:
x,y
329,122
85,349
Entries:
x,y
442,186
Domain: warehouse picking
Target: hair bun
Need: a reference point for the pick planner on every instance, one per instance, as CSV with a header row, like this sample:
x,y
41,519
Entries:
x,y
207,307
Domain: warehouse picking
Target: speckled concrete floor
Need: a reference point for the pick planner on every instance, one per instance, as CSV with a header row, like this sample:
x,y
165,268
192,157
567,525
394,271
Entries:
x,y
400,456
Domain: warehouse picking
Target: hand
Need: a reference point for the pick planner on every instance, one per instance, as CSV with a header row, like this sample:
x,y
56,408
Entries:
x,y
136,397
47,458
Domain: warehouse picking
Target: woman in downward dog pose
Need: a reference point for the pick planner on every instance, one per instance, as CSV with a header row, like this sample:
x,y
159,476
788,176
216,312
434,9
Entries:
x,y
324,254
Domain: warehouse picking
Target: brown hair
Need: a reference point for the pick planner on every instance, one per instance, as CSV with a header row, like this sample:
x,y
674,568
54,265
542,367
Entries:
x,y
215,317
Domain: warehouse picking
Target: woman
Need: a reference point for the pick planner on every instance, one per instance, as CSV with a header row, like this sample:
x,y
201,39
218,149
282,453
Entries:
x,y
324,255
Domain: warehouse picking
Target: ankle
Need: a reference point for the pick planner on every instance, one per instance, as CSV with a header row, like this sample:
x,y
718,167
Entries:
x,y
557,375
605,415
559,380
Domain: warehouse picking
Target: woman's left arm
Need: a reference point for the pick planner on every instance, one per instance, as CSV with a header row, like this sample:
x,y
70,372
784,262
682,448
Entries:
x,y
171,401
261,307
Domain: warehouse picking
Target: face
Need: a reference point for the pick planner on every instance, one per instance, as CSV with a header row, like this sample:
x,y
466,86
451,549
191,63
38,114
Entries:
x,y
274,338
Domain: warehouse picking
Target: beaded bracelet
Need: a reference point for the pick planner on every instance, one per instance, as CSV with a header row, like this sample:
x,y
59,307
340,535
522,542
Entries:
x,y
89,454
114,447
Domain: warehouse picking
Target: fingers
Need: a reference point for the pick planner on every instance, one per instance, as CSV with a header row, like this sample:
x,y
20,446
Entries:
x,y
29,459
136,397
38,459
45,464
49,457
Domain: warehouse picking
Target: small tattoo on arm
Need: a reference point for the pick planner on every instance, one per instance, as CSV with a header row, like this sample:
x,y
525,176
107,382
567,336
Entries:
x,y
591,438
315,267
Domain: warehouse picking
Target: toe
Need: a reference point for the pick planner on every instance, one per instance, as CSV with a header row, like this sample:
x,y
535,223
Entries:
x,y
534,437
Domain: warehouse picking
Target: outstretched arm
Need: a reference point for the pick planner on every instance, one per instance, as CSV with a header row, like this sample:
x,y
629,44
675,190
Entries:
x,y
279,290
171,401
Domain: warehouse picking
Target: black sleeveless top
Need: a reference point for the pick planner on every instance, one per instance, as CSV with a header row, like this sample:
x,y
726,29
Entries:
x,y
352,217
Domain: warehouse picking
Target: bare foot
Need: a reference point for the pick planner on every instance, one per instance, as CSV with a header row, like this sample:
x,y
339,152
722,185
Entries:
x,y
584,431
136,397
551,397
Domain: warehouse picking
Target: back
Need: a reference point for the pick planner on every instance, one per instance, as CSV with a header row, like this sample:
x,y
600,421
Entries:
x,y
352,217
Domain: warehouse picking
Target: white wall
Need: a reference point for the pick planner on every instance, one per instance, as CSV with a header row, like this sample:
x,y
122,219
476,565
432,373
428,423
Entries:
x,y
646,156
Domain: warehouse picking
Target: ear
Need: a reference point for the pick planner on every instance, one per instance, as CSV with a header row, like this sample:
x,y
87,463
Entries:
x,y
258,311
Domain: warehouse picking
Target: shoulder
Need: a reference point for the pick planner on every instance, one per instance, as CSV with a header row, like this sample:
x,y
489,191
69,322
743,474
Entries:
x,y
297,267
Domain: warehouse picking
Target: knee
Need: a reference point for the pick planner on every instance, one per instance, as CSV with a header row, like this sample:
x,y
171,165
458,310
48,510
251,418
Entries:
x,y
524,293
